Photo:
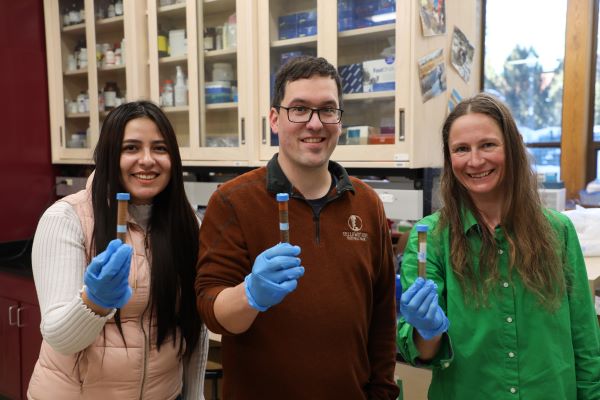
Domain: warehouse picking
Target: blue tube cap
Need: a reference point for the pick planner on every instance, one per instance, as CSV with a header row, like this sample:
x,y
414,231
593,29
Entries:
x,y
123,196
422,228
283,197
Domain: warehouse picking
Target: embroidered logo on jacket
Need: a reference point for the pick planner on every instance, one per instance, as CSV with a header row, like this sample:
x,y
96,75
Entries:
x,y
355,224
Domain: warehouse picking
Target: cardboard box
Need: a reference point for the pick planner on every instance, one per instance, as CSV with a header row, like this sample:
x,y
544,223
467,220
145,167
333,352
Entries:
x,y
379,75
177,42
381,139
288,26
307,23
360,134
352,78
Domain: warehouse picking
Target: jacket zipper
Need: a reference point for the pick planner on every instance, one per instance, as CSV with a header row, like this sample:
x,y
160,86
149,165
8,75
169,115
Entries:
x,y
146,344
145,357
317,216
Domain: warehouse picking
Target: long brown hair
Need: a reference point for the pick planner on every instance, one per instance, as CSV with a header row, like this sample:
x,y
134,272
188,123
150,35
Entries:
x,y
530,237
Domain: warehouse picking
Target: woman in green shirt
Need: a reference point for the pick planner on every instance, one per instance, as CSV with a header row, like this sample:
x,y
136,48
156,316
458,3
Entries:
x,y
508,274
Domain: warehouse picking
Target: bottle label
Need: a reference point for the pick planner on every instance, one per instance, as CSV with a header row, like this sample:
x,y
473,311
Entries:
x,y
163,44
110,99
422,254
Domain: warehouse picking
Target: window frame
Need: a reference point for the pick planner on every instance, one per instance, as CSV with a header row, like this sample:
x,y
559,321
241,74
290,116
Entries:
x,y
578,149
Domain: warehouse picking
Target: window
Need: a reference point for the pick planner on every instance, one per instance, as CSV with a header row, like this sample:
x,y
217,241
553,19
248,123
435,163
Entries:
x,y
523,64
594,154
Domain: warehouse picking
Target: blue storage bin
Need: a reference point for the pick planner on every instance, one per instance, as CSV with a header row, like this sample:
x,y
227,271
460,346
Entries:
x,y
288,26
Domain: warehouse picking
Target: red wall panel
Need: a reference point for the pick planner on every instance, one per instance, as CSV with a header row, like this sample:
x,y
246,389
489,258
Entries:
x,y
26,172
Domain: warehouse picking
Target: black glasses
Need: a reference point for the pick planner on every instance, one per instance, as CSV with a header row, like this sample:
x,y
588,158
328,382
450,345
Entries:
x,y
301,114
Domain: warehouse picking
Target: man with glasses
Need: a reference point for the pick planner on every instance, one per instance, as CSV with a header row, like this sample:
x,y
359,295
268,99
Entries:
x,y
314,319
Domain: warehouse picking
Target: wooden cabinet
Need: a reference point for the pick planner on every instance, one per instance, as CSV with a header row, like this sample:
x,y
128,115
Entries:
x,y
81,76
214,125
20,337
230,52
391,127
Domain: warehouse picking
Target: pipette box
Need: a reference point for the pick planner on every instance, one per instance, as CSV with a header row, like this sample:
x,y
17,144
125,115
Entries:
x,y
379,75
352,78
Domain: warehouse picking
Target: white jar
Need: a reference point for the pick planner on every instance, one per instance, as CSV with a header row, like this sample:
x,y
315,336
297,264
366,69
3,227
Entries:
x,y
109,57
222,72
71,62
81,102
82,58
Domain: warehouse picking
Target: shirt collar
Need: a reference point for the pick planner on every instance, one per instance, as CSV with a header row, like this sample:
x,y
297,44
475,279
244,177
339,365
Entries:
x,y
277,182
469,220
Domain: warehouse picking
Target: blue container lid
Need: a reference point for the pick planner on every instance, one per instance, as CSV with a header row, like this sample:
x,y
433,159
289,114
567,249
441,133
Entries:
x,y
123,196
422,228
283,197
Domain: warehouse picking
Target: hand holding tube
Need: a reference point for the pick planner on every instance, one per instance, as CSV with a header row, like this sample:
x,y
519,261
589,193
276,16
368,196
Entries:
x,y
274,275
419,307
106,278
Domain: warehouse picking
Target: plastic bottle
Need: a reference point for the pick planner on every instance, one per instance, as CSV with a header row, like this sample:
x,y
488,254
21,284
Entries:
x,y
119,7
101,107
163,43
180,88
118,54
110,11
74,15
83,60
111,92
167,99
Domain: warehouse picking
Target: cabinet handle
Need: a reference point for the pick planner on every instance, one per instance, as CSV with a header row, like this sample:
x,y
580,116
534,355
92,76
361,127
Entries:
x,y
10,311
401,125
61,135
19,317
264,130
243,123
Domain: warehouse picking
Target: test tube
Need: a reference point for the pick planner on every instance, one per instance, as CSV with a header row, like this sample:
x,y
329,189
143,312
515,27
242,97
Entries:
x,y
122,200
422,252
284,226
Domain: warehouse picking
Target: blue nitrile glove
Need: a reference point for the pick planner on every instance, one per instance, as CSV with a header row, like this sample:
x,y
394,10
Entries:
x,y
419,307
106,278
274,275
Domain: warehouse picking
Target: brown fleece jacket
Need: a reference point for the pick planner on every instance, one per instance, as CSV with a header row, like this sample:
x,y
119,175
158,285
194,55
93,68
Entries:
x,y
334,336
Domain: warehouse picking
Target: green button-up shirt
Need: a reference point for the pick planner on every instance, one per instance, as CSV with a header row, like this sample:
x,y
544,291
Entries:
x,y
514,348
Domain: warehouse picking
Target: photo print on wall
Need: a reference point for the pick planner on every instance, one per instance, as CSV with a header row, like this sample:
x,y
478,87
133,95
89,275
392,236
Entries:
x,y
461,55
433,17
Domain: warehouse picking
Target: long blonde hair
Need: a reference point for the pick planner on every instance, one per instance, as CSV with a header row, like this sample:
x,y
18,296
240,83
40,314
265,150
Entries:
x,y
530,237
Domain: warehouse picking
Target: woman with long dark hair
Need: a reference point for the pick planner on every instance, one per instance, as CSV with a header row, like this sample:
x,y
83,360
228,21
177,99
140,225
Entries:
x,y
505,311
119,319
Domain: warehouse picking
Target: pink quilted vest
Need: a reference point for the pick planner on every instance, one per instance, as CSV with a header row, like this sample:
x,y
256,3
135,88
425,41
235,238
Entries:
x,y
107,369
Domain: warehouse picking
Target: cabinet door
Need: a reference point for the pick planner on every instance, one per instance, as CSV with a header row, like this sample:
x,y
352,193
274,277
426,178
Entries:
x,y
29,320
372,53
175,21
227,100
10,380
69,59
281,37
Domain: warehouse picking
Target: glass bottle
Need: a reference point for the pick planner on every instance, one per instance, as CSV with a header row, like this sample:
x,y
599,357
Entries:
x,y
111,92
163,43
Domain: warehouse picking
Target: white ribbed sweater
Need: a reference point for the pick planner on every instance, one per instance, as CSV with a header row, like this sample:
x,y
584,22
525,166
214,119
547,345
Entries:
x,y
59,262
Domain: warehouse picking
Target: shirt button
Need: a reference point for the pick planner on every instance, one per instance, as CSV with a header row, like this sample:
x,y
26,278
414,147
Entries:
x,y
509,319
511,354
500,251
513,390
446,364
505,284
